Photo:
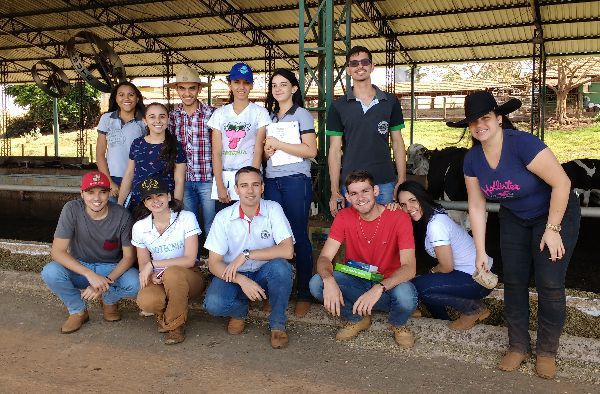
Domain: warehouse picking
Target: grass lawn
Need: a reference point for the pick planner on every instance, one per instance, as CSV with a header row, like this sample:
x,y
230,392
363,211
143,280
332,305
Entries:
x,y
566,144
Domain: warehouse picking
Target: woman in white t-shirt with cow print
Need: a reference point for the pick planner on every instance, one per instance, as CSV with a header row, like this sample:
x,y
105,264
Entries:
x,y
450,282
166,239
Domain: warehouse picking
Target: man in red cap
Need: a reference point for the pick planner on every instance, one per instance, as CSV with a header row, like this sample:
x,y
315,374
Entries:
x,y
92,254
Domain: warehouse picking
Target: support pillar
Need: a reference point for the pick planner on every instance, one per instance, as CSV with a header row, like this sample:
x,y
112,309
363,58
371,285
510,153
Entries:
x,y
320,26
390,63
413,104
55,124
4,115
167,61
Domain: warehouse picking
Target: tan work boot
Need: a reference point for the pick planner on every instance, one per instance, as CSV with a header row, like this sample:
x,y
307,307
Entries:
x,y
512,361
236,326
545,367
279,339
302,308
161,329
416,314
403,336
466,322
111,312
74,322
175,336
351,330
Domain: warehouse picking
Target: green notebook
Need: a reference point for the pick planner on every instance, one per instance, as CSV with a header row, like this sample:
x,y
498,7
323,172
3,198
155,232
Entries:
x,y
358,272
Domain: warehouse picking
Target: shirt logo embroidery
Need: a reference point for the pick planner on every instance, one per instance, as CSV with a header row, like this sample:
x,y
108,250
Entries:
x,y
235,132
383,127
265,234
499,189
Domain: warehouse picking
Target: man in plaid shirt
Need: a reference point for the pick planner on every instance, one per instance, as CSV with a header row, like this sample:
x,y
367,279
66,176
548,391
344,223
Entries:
x,y
189,123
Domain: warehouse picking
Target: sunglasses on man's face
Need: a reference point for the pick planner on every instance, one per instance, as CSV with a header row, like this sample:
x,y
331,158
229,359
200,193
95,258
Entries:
x,y
363,62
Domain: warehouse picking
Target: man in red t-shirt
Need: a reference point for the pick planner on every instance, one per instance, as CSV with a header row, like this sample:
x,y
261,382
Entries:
x,y
377,236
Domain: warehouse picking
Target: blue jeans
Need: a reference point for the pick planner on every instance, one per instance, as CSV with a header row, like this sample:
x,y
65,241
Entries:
x,y
196,197
66,284
400,302
520,249
454,289
227,298
386,193
294,194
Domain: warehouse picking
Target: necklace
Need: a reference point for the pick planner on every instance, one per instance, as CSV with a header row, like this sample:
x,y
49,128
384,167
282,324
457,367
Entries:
x,y
363,231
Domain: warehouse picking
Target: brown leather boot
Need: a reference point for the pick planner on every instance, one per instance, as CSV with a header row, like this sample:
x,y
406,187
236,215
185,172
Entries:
x,y
302,308
111,312
512,361
236,326
545,367
466,322
279,339
74,322
351,330
403,336
175,336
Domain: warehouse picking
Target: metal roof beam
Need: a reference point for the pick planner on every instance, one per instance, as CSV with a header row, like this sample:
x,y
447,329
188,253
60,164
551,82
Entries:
x,y
242,24
40,40
375,16
81,5
290,42
124,27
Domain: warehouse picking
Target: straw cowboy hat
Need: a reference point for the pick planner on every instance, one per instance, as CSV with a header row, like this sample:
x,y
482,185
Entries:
x,y
186,75
480,103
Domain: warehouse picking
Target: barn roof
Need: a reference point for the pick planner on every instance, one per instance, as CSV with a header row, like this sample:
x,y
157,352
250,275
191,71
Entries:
x,y
212,35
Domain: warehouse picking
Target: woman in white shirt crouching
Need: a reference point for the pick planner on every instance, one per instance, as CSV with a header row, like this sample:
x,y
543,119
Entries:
x,y
450,282
166,239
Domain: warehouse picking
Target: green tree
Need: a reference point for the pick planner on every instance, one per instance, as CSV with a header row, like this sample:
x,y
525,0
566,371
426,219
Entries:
x,y
40,106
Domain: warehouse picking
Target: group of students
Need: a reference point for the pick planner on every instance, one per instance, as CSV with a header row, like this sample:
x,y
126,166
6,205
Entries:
x,y
250,241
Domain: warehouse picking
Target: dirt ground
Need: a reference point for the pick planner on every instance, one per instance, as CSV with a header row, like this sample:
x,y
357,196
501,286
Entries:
x,y
128,356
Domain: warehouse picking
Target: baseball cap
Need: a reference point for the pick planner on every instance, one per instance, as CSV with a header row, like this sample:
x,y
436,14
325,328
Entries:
x,y
241,71
94,179
151,186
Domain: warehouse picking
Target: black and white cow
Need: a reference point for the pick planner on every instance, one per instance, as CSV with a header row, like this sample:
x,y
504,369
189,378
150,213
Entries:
x,y
445,179
585,179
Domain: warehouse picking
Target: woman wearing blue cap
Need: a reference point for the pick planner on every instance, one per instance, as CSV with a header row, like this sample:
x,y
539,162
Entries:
x,y
238,132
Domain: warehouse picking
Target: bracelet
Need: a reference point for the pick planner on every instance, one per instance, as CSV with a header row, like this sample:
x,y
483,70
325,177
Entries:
x,y
554,227
382,285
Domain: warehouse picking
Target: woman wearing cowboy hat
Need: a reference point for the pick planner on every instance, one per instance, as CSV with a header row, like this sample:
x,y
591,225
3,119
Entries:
x,y
539,223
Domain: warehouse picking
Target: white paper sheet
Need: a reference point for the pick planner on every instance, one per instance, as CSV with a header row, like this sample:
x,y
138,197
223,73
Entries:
x,y
288,132
229,181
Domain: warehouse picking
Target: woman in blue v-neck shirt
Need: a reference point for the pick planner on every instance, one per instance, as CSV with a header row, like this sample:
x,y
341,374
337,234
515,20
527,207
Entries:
x,y
539,223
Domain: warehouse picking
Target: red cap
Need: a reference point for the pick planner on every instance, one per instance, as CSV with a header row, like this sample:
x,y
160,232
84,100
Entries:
x,y
94,179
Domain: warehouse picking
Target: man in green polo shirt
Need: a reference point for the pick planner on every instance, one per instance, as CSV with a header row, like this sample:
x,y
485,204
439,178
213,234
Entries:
x,y
365,118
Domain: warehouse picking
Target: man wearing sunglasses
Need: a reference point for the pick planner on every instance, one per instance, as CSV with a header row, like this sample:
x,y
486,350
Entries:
x,y
365,118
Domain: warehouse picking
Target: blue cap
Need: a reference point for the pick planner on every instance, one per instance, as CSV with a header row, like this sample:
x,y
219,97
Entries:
x,y
241,71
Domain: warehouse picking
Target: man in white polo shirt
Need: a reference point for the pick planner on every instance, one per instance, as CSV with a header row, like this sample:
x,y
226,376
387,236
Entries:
x,y
248,245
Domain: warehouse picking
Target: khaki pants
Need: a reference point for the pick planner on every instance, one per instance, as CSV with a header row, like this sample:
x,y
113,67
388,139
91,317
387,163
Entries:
x,y
169,300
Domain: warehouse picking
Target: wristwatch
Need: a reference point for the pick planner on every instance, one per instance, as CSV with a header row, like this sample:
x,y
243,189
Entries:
x,y
554,227
246,254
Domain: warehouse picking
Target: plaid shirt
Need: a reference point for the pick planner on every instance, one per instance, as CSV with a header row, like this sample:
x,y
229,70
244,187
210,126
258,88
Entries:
x,y
194,136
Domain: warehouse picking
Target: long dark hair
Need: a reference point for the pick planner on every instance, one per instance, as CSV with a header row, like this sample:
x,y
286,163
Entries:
x,y
428,205
168,152
506,124
112,100
270,103
140,212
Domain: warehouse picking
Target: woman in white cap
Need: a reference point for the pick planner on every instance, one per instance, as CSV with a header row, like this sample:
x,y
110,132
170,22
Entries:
x,y
539,223
239,131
